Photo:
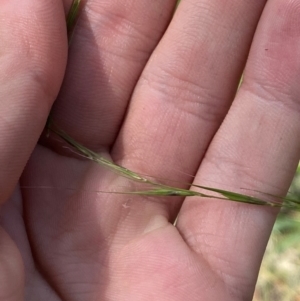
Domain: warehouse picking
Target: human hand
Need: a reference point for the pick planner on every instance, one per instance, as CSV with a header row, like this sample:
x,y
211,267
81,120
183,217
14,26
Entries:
x,y
75,244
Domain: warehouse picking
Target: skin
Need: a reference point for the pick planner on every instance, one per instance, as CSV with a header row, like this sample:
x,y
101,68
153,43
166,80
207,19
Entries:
x,y
160,101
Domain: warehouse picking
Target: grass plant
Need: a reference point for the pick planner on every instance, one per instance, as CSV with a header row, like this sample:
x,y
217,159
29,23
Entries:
x,y
72,16
158,189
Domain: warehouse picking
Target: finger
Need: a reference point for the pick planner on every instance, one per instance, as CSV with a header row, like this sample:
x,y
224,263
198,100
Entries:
x,y
110,45
186,89
32,62
257,147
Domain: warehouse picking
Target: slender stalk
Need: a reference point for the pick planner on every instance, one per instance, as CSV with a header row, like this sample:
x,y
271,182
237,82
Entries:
x,y
72,17
159,189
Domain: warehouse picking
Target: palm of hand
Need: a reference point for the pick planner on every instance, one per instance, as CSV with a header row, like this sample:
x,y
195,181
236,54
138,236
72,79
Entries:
x,y
76,244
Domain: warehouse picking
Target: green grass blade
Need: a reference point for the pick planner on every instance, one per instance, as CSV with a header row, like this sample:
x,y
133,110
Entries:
x,y
159,189
72,17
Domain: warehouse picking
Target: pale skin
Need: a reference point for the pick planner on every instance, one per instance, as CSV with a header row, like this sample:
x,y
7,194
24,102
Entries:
x,y
160,102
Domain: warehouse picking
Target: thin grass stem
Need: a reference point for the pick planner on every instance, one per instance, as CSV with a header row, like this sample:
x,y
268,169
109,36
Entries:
x,y
162,190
